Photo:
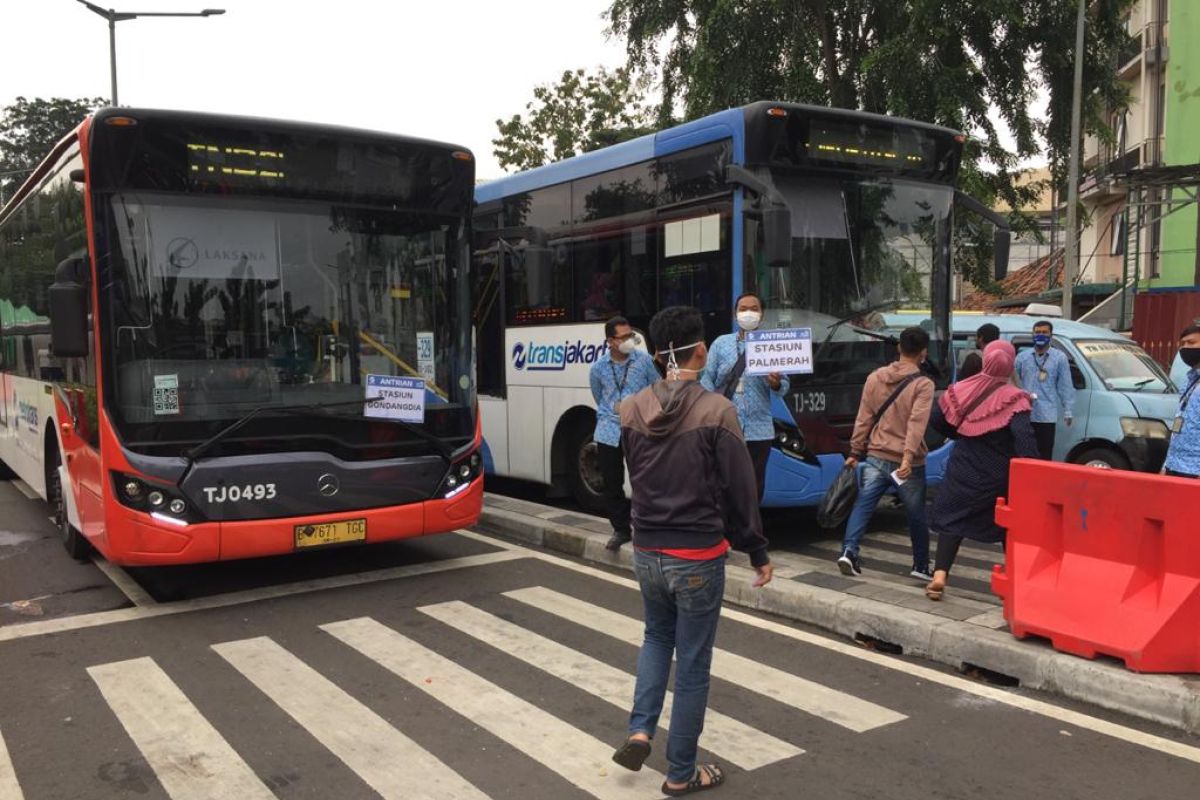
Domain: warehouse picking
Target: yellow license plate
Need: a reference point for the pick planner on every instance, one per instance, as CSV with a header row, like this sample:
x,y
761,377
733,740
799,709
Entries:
x,y
318,534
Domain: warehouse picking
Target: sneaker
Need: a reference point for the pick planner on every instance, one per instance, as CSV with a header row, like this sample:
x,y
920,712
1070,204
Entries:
x,y
849,563
616,540
921,573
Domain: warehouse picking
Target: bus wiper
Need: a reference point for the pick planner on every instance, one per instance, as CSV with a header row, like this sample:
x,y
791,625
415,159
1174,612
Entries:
x,y
868,310
308,408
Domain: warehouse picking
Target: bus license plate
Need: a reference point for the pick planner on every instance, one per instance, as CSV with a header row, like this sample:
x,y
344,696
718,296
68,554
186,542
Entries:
x,y
318,534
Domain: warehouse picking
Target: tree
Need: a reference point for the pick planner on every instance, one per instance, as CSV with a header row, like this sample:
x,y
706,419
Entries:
x,y
581,112
971,65
29,129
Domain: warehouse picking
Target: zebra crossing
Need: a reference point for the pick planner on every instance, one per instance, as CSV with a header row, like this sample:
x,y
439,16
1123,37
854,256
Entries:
x,y
192,760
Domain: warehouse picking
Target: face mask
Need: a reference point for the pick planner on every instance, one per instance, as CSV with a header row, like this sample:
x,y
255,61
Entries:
x,y
1041,340
1190,356
673,368
748,320
628,345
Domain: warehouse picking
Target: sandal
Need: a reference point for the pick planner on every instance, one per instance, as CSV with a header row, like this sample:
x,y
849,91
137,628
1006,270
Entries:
x,y
935,591
716,777
632,754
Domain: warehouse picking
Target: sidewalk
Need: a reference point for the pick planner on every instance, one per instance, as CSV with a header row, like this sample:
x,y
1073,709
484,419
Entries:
x,y
886,609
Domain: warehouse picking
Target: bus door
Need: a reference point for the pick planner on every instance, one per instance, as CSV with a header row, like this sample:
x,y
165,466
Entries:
x,y
488,269
694,261
489,265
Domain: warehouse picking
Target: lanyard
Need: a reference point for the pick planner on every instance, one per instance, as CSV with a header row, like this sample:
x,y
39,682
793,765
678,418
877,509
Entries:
x,y
1187,395
624,376
1041,365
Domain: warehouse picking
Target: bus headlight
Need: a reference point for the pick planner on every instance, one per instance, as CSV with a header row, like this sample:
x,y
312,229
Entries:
x,y
460,475
142,495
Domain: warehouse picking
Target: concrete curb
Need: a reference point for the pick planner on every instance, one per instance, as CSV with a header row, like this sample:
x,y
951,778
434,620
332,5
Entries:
x,y
1166,699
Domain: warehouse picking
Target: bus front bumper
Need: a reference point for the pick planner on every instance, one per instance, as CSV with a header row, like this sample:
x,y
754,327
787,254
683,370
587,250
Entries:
x,y
137,539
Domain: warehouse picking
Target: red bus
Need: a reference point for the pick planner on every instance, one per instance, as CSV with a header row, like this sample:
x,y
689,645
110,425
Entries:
x,y
224,337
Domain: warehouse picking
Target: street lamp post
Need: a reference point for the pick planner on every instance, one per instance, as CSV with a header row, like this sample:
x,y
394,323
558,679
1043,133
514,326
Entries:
x,y
1071,243
114,17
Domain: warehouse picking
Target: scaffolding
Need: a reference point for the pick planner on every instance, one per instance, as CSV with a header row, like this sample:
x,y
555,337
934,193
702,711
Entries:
x,y
1152,193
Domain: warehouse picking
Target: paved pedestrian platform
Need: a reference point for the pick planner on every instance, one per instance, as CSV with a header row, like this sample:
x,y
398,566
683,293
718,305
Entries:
x,y
886,609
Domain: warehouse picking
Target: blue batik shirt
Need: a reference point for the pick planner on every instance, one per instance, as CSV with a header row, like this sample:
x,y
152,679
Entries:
x,y
1184,453
753,402
611,383
1055,392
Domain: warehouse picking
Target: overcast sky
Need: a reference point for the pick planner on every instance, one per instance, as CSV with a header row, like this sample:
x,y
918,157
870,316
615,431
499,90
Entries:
x,y
441,69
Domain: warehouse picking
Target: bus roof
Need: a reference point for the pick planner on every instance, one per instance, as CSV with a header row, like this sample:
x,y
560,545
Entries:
x,y
204,118
727,124
265,123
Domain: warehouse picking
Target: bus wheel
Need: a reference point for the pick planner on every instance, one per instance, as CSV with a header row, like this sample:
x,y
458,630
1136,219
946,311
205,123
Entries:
x,y
76,545
587,484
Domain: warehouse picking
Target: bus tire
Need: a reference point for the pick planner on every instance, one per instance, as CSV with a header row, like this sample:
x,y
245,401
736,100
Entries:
x,y
583,471
76,545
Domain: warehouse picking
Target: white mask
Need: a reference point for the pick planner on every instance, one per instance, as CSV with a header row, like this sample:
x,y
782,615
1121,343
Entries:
x,y
748,320
673,368
628,345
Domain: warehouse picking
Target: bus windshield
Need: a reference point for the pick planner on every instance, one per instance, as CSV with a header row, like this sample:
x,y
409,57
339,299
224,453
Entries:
x,y
220,306
861,246
857,245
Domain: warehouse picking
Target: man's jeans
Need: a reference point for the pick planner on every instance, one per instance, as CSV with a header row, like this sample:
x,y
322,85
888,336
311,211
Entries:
x,y
682,600
875,480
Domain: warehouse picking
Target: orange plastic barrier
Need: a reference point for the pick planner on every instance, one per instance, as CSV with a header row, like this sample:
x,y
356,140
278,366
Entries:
x,y
1103,561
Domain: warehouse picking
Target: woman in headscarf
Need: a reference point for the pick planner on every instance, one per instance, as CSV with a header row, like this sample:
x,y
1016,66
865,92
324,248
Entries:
x,y
989,420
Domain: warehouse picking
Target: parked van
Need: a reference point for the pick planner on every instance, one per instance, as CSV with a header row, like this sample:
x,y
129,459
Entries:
x,y
1124,401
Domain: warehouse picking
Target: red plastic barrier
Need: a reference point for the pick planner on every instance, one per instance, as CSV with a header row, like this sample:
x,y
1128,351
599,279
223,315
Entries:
x,y
1103,561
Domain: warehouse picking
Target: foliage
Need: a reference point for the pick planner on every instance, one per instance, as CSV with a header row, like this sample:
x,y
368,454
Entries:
x,y
29,129
971,65
581,112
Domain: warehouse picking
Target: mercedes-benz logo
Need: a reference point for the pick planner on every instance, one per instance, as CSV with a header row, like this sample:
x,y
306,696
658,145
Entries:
x,y
182,253
328,485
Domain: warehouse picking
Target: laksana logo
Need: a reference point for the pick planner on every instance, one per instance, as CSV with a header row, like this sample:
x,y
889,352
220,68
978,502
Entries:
x,y
554,357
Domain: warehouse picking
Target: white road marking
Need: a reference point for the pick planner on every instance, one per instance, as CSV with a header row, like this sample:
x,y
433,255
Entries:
x,y
1049,710
813,698
191,760
736,741
79,621
122,580
10,789
388,761
578,757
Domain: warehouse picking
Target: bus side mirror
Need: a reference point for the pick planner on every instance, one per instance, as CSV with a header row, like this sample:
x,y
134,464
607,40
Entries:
x,y
777,235
69,302
1000,242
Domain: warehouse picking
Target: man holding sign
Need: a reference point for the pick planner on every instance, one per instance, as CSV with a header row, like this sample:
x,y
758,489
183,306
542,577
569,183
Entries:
x,y
728,373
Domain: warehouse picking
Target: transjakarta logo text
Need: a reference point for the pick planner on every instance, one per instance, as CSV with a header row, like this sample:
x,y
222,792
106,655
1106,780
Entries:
x,y
533,357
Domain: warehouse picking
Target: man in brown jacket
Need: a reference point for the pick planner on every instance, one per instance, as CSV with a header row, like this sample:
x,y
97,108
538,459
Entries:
x,y
889,438
693,494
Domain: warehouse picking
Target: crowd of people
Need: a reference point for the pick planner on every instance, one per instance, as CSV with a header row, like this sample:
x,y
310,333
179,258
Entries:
x,y
696,444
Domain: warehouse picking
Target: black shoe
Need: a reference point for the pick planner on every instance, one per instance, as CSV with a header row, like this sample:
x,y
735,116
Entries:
x,y
850,563
921,573
616,540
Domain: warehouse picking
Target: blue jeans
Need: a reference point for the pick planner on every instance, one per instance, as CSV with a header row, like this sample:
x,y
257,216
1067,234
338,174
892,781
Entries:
x,y
682,600
875,479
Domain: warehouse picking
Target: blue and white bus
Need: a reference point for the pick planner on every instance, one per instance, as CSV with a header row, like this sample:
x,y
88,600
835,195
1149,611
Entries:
x,y
832,216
